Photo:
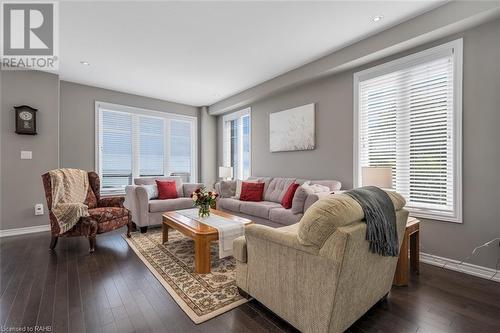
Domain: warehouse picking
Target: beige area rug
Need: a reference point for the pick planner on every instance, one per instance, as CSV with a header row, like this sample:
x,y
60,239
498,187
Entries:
x,y
201,296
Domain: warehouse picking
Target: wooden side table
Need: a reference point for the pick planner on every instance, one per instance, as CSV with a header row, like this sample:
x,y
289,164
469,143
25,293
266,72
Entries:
x,y
410,242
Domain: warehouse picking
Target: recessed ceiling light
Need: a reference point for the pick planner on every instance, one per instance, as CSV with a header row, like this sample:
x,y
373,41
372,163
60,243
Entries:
x,y
377,18
84,63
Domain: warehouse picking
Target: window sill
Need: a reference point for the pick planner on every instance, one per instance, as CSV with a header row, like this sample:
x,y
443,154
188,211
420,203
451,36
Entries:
x,y
433,215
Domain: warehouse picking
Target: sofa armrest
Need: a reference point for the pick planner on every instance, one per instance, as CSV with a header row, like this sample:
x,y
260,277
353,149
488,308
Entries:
x,y
217,187
111,202
188,188
142,206
240,249
278,236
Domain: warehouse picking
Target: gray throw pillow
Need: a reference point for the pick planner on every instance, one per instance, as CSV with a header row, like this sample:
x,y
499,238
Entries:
x,y
227,188
152,191
299,200
189,188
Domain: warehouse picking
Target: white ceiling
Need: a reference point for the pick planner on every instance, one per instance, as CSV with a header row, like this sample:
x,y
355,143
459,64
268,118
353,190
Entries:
x,y
198,53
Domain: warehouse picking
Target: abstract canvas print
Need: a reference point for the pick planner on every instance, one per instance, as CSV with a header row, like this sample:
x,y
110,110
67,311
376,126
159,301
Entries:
x,y
292,129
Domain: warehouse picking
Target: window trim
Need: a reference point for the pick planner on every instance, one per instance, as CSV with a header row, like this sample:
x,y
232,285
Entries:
x,y
226,142
456,46
150,113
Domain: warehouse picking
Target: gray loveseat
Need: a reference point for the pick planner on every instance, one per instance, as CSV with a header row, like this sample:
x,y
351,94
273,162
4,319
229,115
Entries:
x,y
269,211
148,211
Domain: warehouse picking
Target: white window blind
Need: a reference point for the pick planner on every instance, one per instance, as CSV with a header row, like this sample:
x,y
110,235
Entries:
x,y
181,148
133,142
151,146
236,138
408,120
116,152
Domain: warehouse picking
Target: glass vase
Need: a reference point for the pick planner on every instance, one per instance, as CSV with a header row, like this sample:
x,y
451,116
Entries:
x,y
204,210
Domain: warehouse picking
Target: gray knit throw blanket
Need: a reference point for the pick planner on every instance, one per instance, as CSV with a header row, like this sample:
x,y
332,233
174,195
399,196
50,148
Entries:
x,y
380,219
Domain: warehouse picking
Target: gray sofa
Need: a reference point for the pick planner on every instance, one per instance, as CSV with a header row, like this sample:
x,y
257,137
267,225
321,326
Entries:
x,y
269,211
148,211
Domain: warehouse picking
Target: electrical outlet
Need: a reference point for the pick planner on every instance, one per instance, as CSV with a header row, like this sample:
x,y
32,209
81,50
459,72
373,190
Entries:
x,y
38,209
26,155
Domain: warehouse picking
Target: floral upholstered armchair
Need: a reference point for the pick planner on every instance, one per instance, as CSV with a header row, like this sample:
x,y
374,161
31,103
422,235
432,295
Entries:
x,y
105,214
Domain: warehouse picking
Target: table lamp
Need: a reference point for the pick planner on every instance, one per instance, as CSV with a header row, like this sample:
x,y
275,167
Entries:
x,y
225,172
377,176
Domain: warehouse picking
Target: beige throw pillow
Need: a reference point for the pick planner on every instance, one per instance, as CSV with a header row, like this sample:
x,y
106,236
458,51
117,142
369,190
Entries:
x,y
315,188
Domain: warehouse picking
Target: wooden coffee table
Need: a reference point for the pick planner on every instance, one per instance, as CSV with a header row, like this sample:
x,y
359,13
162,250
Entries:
x,y
202,234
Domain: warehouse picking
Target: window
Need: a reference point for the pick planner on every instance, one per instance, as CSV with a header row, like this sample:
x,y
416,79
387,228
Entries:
x,y
408,116
134,142
236,138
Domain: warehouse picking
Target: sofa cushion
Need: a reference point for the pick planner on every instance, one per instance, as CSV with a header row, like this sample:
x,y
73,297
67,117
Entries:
x,y
277,188
260,209
239,186
312,198
333,185
303,199
315,188
298,200
227,188
334,211
103,214
166,189
229,204
156,206
284,216
189,188
152,181
286,202
251,191
151,190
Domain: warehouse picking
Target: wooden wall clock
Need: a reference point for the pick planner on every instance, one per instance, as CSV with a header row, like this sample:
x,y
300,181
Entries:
x,y
25,119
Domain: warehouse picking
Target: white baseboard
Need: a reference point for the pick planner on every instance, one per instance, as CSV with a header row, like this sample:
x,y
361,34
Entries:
x,y
464,267
23,231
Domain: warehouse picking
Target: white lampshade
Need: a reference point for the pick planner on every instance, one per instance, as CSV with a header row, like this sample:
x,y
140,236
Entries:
x,y
225,172
377,176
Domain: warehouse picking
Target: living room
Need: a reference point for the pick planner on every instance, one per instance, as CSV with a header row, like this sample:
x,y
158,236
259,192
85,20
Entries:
x,y
241,166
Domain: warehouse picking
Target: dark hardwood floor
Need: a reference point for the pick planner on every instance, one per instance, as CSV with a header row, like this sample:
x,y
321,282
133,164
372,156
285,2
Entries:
x,y
112,291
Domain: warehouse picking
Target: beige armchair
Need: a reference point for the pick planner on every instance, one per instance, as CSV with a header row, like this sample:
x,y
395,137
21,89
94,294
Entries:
x,y
318,274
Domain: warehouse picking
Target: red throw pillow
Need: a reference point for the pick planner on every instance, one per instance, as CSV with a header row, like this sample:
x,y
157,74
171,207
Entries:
x,y
251,191
286,202
166,189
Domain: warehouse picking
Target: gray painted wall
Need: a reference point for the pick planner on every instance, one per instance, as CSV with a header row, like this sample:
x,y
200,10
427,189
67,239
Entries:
x,y
208,147
66,115
77,126
21,185
332,158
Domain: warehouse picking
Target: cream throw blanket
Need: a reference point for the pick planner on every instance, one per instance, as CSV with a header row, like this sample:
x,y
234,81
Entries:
x,y
69,190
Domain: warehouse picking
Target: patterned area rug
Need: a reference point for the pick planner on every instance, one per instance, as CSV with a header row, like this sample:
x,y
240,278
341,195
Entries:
x,y
201,296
